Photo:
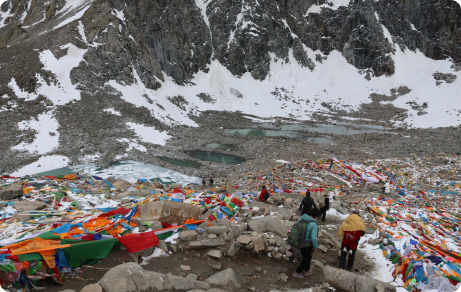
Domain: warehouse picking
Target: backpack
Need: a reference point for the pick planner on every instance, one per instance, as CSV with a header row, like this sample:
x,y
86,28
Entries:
x,y
266,195
297,238
321,202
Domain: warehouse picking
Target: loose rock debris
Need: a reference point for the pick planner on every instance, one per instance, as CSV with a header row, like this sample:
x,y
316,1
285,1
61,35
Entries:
x,y
52,226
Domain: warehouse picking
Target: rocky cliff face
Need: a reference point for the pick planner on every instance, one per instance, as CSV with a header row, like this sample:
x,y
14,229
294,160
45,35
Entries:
x,y
74,59
180,37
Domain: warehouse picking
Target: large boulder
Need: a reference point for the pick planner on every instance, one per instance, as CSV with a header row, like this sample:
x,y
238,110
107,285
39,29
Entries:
x,y
29,205
169,212
188,235
11,192
350,282
131,277
121,184
92,288
269,224
225,280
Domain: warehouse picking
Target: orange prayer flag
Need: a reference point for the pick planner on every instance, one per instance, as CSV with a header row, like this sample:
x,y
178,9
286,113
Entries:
x,y
70,176
27,190
41,249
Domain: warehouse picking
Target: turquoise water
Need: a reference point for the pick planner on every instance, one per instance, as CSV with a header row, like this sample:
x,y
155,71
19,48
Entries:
x,y
277,133
265,133
328,129
58,171
186,163
221,146
215,157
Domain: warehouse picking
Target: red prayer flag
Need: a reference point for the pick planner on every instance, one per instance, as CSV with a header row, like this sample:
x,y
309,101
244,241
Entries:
x,y
120,210
139,241
237,202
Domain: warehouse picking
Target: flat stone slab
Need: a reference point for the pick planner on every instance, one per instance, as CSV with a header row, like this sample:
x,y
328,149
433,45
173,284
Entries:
x,y
206,243
244,239
215,253
217,230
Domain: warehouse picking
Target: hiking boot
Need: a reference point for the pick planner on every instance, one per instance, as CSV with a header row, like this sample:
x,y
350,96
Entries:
x,y
305,274
299,276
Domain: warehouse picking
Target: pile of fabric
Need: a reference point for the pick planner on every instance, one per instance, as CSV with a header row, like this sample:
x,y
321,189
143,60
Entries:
x,y
53,224
422,239
72,223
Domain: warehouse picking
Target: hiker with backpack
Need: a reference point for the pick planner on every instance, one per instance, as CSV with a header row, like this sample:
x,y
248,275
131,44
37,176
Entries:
x,y
264,194
306,231
307,203
351,229
303,240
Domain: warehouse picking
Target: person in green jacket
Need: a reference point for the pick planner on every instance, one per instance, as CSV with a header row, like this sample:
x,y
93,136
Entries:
x,y
310,245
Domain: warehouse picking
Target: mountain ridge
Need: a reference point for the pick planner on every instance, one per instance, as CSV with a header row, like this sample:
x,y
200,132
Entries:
x,y
106,68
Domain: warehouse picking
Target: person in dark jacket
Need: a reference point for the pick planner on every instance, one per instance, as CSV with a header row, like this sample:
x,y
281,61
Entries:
x,y
325,208
307,204
211,181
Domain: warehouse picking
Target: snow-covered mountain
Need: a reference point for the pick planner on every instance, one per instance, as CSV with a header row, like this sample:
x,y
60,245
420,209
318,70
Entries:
x,y
92,76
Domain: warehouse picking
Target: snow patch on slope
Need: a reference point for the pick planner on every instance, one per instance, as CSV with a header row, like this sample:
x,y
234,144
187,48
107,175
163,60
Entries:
x,y
112,111
386,32
202,4
158,104
63,91
335,5
292,91
119,14
47,137
149,134
45,163
18,91
4,15
24,13
443,102
73,10
81,31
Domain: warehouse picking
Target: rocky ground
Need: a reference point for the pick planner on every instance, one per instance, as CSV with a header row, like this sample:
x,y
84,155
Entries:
x,y
261,152
254,249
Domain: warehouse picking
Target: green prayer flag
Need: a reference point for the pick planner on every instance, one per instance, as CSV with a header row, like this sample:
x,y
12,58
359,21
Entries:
x,y
8,268
49,235
33,256
165,235
88,253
